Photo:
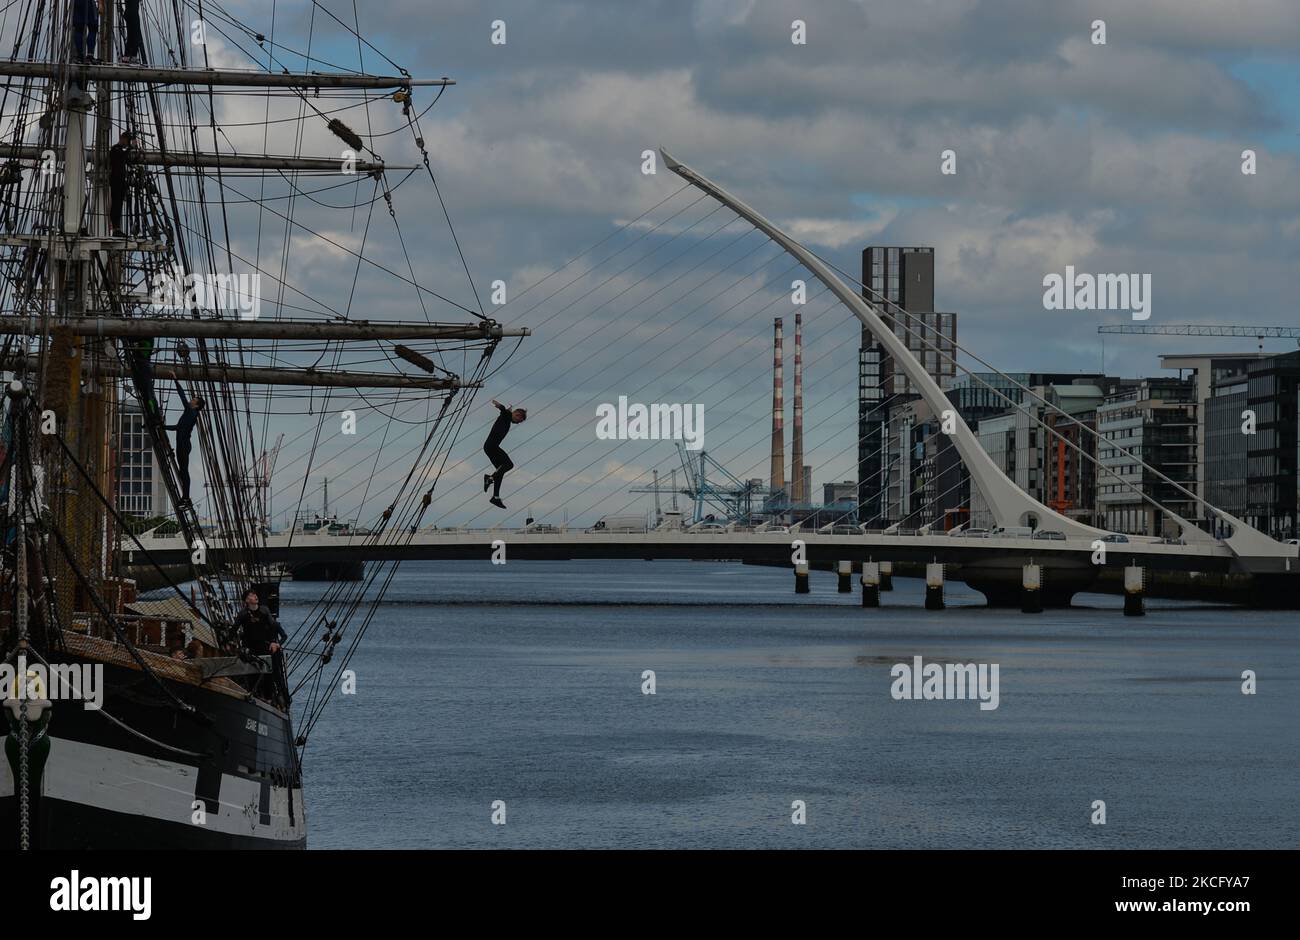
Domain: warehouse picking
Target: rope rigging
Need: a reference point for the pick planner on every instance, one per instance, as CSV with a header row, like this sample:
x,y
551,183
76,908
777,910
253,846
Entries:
x,y
183,218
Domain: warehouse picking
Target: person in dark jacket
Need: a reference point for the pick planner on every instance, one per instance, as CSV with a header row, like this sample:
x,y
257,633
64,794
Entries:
x,y
184,428
492,447
118,157
263,635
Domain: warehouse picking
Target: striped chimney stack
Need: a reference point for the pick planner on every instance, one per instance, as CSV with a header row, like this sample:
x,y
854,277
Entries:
x,y
797,495
778,415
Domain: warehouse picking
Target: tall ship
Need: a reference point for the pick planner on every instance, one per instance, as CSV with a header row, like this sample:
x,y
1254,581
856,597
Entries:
x,y
175,187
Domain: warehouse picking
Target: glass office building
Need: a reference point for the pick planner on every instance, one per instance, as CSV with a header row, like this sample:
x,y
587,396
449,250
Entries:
x,y
899,281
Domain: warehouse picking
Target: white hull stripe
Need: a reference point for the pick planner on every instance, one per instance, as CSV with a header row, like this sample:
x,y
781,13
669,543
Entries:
x,y
123,782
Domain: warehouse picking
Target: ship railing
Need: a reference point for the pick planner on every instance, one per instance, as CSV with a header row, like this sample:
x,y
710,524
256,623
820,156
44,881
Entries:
x,y
163,636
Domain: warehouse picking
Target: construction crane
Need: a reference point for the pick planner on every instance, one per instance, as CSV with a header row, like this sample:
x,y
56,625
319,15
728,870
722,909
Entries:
x,y
1260,333
258,482
657,489
264,481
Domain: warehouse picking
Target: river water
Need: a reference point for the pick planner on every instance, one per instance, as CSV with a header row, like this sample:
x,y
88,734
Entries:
x,y
523,684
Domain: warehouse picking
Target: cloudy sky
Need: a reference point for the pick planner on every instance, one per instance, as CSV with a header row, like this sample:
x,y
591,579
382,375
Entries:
x,y
1122,157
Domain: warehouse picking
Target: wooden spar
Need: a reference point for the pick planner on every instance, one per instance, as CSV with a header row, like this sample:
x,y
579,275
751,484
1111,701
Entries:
x,y
248,375
414,358
213,77
266,329
225,161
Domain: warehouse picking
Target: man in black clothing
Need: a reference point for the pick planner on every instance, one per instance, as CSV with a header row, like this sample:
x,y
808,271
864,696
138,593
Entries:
x,y
262,635
492,447
118,156
133,36
184,429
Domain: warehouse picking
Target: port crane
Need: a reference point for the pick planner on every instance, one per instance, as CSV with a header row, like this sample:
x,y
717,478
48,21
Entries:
x,y
732,497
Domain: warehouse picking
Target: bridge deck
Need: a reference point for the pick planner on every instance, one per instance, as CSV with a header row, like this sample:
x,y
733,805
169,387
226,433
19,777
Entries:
x,y
745,545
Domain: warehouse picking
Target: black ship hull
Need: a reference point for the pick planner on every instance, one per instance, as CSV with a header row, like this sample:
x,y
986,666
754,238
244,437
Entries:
x,y
143,774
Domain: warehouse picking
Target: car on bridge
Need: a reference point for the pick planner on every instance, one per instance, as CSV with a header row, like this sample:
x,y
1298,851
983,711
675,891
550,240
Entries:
x,y
1012,531
619,524
1115,537
969,533
1051,535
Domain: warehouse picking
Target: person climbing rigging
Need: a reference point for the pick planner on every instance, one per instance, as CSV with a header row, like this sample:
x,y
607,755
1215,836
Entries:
x,y
262,635
184,428
85,29
492,447
141,360
118,156
134,39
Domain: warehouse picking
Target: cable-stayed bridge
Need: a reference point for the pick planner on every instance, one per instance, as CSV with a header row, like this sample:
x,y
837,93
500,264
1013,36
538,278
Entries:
x,y
997,565
730,542
1067,548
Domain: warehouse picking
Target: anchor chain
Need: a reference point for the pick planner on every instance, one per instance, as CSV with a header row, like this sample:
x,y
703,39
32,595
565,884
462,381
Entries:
x,y
24,788
16,392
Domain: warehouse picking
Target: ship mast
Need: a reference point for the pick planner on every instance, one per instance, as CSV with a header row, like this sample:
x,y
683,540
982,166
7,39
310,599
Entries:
x,y
80,364
78,316
97,308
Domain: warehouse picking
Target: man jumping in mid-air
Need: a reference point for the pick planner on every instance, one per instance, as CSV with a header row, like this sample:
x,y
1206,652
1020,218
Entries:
x,y
492,447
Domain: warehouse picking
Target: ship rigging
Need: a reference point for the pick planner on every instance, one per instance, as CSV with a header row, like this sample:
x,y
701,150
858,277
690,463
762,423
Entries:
x,y
176,170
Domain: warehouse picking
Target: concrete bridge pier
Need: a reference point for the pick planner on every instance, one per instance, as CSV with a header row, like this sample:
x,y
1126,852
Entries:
x,y
1133,591
846,577
870,584
1031,593
801,578
1001,579
934,586
886,576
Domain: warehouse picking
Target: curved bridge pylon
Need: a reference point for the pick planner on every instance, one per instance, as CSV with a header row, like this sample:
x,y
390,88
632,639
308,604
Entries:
x,y
1008,503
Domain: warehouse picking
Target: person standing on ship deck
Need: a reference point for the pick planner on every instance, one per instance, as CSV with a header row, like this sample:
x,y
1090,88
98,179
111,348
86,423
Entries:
x,y
263,635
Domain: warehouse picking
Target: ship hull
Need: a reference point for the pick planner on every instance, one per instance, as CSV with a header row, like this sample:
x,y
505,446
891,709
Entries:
x,y
152,777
